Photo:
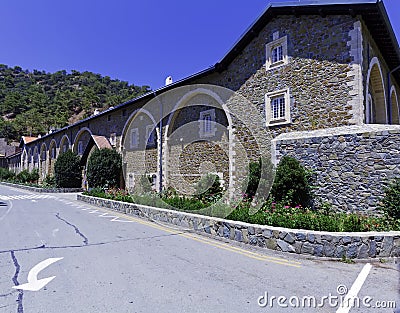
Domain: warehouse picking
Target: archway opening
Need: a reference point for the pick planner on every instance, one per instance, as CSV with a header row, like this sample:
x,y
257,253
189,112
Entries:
x,y
395,106
376,102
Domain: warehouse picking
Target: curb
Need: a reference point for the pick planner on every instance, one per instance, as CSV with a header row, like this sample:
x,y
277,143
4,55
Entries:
x,y
360,245
43,190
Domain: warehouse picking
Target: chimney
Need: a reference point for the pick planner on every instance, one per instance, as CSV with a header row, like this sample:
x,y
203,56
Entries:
x,y
168,81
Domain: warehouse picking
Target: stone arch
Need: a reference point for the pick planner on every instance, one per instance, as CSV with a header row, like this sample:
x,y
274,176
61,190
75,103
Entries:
x,y
43,160
65,144
376,109
52,156
146,152
196,92
129,122
24,160
394,102
30,159
36,157
203,149
85,134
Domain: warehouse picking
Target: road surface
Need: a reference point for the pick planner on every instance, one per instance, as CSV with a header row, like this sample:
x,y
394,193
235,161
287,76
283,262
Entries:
x,y
102,261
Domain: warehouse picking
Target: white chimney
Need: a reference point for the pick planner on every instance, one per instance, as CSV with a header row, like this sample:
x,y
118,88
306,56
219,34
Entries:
x,y
168,81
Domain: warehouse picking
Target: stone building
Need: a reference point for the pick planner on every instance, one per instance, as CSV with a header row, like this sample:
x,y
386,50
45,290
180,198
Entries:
x,y
316,80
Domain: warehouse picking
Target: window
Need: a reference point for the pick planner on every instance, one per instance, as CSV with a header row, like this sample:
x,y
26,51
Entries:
x,y
207,123
150,135
277,107
80,147
134,138
131,180
277,53
113,139
109,118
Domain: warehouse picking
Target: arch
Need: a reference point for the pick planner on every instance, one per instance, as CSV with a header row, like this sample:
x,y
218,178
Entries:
x,y
394,102
128,123
77,137
196,92
42,160
36,157
221,105
62,147
377,113
53,149
24,160
52,156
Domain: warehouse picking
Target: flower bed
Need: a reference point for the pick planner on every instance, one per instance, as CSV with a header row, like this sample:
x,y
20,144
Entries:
x,y
272,214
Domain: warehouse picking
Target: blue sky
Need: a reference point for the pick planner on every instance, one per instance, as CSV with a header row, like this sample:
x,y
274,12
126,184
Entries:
x,y
138,41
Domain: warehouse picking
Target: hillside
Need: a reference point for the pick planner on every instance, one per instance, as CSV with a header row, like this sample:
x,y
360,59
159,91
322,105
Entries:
x,y
32,103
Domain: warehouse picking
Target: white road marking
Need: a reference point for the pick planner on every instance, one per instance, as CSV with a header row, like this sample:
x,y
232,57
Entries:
x,y
35,284
85,209
354,290
24,197
8,211
116,219
54,232
94,211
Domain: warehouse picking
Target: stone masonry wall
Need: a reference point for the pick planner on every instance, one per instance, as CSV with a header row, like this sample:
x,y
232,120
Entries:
x,y
352,164
318,73
319,244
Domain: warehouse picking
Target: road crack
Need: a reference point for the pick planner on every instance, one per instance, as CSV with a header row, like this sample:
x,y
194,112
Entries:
x,y
16,283
85,239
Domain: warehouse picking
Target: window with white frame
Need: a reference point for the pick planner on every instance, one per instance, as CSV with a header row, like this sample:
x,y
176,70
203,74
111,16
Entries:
x,y
150,134
277,107
80,147
113,139
277,53
207,123
131,180
134,138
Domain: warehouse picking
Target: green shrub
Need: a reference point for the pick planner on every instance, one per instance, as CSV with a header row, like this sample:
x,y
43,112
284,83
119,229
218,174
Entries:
x,y
184,204
292,183
208,189
68,171
260,179
23,176
49,181
391,200
6,174
34,176
104,168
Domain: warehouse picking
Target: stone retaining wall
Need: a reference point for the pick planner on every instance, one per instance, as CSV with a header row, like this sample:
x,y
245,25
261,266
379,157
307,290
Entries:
x,y
319,244
353,164
43,190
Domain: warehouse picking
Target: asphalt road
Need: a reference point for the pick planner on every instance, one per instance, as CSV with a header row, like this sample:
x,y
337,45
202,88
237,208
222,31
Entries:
x,y
116,263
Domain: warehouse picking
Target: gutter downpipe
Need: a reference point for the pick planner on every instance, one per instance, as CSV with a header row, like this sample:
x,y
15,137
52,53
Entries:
x,y
389,98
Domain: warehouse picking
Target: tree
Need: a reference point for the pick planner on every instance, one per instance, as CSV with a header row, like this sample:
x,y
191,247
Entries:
x,y
104,168
68,170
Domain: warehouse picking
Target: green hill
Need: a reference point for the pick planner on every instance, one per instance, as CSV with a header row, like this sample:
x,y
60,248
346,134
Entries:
x,y
32,103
